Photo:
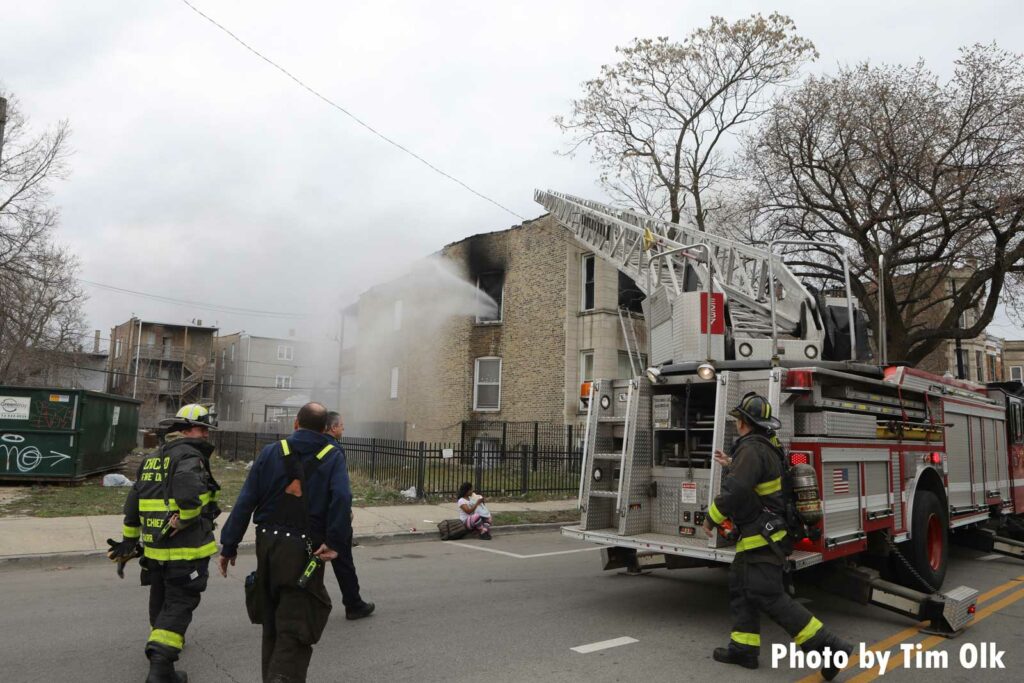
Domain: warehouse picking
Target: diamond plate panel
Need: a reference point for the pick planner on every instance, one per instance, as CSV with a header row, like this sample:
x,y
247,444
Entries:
x,y
661,343
726,396
667,504
599,514
831,423
635,512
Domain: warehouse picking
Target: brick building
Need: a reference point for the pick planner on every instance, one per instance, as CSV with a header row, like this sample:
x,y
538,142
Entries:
x,y
267,379
416,364
165,365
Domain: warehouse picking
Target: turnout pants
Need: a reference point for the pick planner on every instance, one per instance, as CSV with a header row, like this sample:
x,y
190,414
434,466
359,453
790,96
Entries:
x,y
345,571
293,618
175,589
757,586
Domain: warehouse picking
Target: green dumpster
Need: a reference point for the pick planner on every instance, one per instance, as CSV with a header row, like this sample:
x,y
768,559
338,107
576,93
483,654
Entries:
x,y
63,434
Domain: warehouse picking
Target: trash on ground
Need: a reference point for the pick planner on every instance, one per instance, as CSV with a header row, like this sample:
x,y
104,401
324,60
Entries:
x,y
116,480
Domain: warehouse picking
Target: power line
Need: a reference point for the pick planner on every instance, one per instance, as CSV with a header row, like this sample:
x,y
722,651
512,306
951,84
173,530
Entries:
x,y
347,113
217,308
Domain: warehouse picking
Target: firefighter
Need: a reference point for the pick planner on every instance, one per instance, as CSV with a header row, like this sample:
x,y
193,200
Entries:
x,y
297,492
171,509
752,499
344,565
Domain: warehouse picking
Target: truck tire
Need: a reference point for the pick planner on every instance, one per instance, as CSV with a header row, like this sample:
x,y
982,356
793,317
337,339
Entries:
x,y
928,547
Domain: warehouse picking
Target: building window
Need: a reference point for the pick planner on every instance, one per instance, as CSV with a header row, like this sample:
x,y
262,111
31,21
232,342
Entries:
x,y
223,355
625,369
586,372
979,365
587,298
397,315
394,383
1017,372
232,353
283,382
487,384
991,367
493,285
117,348
285,352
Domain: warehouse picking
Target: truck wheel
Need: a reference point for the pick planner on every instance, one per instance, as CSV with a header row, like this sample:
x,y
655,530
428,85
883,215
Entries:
x,y
928,547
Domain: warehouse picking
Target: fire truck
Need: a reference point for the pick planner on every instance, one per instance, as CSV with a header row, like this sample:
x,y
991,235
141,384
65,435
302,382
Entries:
x,y
905,462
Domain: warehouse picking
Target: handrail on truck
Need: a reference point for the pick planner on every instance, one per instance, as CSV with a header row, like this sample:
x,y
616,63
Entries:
x,y
846,277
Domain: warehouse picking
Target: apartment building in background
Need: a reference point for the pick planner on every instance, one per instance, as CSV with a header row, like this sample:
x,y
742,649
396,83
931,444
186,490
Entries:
x,y
165,365
416,366
267,379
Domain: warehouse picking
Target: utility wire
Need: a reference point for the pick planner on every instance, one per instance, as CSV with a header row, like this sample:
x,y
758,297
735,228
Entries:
x,y
346,112
217,308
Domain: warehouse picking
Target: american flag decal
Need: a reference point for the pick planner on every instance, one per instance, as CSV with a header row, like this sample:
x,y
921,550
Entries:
x,y
841,480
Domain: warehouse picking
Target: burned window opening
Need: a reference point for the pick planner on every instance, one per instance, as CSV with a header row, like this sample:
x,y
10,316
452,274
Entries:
x,y
493,285
630,296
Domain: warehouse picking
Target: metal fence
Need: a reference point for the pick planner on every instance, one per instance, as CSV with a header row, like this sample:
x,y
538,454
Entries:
x,y
539,459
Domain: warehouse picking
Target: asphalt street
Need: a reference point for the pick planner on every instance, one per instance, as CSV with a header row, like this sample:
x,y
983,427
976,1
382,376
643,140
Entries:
x,y
509,610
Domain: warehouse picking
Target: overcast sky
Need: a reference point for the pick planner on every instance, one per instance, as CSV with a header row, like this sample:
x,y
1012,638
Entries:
x,y
201,173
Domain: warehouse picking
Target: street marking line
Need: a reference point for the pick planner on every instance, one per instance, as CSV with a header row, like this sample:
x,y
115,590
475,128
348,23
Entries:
x,y
897,638
604,645
932,641
430,521
989,558
522,557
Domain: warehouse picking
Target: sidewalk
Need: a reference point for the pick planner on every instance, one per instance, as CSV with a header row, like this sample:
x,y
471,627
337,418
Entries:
x,y
21,536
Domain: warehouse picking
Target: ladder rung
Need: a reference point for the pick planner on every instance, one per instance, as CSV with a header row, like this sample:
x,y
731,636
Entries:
x,y
607,456
604,494
611,419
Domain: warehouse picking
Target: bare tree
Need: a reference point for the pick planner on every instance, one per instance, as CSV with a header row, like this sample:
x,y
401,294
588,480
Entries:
x,y
655,120
40,300
889,160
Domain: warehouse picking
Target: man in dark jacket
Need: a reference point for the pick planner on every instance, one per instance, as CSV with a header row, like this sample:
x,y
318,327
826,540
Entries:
x,y
752,498
344,565
297,492
171,509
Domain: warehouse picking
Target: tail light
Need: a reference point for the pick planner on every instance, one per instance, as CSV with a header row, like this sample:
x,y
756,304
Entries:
x,y
799,380
935,458
799,458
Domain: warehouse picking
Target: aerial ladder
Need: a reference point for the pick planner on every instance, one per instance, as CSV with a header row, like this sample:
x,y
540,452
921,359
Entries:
x,y
750,304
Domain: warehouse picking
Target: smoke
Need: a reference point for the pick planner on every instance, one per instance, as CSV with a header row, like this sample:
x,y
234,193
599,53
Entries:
x,y
402,326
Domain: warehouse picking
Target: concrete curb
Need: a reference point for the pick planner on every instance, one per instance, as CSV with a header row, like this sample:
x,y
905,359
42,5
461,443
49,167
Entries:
x,y
47,560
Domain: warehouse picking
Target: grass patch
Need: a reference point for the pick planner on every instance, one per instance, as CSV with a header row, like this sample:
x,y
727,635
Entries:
x,y
90,497
536,517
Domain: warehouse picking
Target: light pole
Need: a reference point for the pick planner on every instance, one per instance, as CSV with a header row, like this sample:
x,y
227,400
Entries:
x,y
3,123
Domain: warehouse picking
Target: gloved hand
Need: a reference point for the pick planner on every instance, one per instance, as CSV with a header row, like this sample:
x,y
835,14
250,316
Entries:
x,y
123,550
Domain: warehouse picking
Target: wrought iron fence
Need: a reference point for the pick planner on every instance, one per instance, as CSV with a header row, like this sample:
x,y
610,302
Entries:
x,y
535,459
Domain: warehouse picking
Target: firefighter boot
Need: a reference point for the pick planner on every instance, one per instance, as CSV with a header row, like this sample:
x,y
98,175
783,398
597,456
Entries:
x,y
161,670
834,643
727,656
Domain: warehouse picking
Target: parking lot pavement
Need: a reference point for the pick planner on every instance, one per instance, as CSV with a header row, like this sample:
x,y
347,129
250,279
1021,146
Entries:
x,y
533,607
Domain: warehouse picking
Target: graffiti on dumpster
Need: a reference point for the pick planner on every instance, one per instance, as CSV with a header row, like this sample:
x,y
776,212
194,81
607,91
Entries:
x,y
53,416
26,457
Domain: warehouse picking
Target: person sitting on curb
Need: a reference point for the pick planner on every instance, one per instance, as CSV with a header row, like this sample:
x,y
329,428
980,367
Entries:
x,y
472,511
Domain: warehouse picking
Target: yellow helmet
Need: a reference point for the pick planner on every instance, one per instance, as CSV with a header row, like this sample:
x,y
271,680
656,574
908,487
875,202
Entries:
x,y
191,415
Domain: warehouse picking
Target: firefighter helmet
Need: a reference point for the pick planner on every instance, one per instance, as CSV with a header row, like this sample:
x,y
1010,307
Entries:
x,y
756,411
191,415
